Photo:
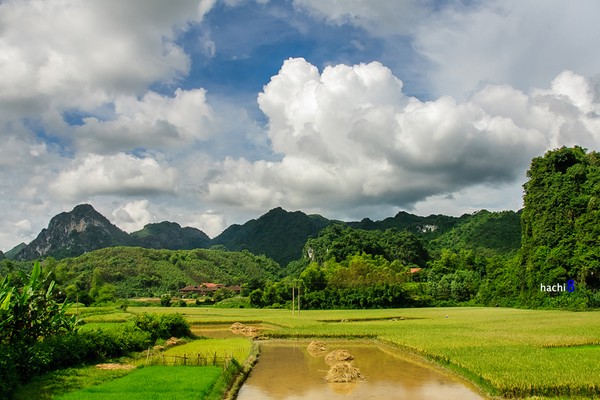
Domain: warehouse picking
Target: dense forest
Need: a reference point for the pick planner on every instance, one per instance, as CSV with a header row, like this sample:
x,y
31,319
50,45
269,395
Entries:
x,y
561,223
485,258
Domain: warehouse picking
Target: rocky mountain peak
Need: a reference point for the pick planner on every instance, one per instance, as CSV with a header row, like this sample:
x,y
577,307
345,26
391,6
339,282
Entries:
x,y
73,233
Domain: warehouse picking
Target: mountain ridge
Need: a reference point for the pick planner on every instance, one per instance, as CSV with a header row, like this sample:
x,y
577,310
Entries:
x,y
278,234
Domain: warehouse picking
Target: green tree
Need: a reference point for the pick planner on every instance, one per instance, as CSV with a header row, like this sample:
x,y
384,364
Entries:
x,y
313,278
256,298
561,233
106,293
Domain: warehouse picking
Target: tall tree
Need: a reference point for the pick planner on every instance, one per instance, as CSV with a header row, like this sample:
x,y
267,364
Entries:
x,y
561,230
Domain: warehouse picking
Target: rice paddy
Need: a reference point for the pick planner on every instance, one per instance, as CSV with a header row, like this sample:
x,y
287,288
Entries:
x,y
509,353
512,353
154,383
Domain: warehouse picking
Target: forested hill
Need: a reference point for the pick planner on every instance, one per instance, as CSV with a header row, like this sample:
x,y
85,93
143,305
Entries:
x,y
170,235
278,234
124,272
490,233
561,220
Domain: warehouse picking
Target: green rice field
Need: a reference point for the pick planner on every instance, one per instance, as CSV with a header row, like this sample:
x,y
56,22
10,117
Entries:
x,y
508,353
154,383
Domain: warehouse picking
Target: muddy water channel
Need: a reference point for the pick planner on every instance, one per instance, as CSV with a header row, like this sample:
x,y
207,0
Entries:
x,y
286,370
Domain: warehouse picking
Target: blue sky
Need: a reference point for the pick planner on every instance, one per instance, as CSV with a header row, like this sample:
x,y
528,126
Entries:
x,y
212,112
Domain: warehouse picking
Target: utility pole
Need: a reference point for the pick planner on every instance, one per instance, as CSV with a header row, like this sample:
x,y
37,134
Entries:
x,y
293,300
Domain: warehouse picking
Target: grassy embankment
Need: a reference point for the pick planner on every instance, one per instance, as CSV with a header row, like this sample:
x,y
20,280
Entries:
x,y
508,352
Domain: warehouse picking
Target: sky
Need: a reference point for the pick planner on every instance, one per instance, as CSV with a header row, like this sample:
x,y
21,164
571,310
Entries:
x,y
212,112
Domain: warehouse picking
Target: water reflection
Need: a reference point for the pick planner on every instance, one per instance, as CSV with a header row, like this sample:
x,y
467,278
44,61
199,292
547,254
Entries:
x,y
287,371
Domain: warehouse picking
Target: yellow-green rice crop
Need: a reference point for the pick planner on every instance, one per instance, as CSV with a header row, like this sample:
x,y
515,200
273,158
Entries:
x,y
238,348
511,352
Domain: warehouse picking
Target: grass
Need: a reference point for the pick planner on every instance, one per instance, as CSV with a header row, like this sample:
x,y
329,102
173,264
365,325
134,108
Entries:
x,y
238,348
108,317
539,354
154,383
209,351
59,382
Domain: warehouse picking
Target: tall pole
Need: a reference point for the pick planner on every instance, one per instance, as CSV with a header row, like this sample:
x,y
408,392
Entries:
x,y
293,301
298,299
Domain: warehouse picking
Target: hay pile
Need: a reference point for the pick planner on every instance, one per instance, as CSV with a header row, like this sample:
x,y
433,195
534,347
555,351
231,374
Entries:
x,y
337,356
173,341
344,372
316,348
240,329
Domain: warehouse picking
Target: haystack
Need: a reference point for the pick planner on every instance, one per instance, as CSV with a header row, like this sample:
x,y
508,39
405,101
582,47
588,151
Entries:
x,y
316,348
240,329
337,356
237,326
344,372
173,341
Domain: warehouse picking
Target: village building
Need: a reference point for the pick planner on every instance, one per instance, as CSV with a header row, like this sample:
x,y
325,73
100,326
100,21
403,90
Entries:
x,y
207,289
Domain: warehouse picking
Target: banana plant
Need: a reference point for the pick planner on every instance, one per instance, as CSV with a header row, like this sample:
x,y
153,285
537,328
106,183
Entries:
x,y
31,312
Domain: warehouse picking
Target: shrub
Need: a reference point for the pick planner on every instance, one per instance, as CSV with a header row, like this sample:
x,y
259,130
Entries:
x,y
163,326
234,302
8,372
73,349
165,300
174,325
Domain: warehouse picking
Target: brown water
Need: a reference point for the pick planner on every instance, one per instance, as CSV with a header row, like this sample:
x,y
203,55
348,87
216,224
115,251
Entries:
x,y
220,331
287,371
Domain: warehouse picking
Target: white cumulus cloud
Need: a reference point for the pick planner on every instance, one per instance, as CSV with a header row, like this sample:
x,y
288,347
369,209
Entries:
x,y
465,45
155,121
120,174
349,138
133,215
73,53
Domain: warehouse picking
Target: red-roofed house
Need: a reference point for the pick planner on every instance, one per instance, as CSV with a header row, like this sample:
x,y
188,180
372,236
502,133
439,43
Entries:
x,y
207,288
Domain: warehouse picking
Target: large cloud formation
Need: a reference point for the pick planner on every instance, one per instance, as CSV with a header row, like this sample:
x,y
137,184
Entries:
x,y
100,102
464,45
348,137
